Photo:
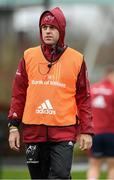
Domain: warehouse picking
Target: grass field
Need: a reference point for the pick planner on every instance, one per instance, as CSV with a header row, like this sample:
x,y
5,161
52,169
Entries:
x,y
13,173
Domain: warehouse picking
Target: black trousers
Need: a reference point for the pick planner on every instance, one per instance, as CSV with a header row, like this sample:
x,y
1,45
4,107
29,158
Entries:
x,y
49,160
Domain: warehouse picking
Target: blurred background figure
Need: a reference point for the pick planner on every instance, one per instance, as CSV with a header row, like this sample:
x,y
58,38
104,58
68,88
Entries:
x,y
103,119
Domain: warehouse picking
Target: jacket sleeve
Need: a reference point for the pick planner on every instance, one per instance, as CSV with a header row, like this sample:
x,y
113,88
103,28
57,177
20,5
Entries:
x,y
83,100
18,99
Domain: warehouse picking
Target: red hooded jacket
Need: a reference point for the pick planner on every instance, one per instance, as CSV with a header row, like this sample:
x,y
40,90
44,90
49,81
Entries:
x,y
42,133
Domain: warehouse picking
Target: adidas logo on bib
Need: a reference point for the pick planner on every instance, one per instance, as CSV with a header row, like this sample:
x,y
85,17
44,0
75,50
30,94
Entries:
x,y
45,108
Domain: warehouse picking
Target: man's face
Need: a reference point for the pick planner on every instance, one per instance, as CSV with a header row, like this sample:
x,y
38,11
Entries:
x,y
50,34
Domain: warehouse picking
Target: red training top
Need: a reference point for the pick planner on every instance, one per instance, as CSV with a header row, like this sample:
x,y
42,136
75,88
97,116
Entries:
x,y
103,107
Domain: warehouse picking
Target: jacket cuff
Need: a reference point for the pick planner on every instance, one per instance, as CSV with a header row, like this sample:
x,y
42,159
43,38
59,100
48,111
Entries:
x,y
14,122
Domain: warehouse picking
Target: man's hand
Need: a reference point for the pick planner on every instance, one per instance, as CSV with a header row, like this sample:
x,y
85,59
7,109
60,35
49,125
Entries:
x,y
85,141
14,140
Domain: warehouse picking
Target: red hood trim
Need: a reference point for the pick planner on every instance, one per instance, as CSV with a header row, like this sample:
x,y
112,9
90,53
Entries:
x,y
58,14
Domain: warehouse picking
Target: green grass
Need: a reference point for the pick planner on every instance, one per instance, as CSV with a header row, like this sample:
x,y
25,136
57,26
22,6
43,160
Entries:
x,y
80,175
16,173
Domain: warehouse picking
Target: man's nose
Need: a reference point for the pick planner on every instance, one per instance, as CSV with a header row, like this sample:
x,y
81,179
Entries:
x,y
48,30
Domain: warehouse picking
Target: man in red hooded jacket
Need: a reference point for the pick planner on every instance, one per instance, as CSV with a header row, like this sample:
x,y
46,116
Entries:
x,y
50,95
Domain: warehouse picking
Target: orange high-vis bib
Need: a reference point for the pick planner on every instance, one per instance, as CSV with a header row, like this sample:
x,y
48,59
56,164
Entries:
x,y
51,95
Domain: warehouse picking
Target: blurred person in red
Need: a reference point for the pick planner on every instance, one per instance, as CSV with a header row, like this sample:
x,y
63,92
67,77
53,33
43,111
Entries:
x,y
50,92
103,123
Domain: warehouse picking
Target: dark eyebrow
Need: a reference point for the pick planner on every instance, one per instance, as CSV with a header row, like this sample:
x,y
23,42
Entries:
x,y
48,25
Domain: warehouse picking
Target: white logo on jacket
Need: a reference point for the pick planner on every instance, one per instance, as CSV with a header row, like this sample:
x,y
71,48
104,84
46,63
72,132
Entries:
x,y
46,108
99,102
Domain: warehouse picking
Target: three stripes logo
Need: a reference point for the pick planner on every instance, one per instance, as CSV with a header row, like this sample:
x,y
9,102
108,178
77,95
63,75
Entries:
x,y
45,108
